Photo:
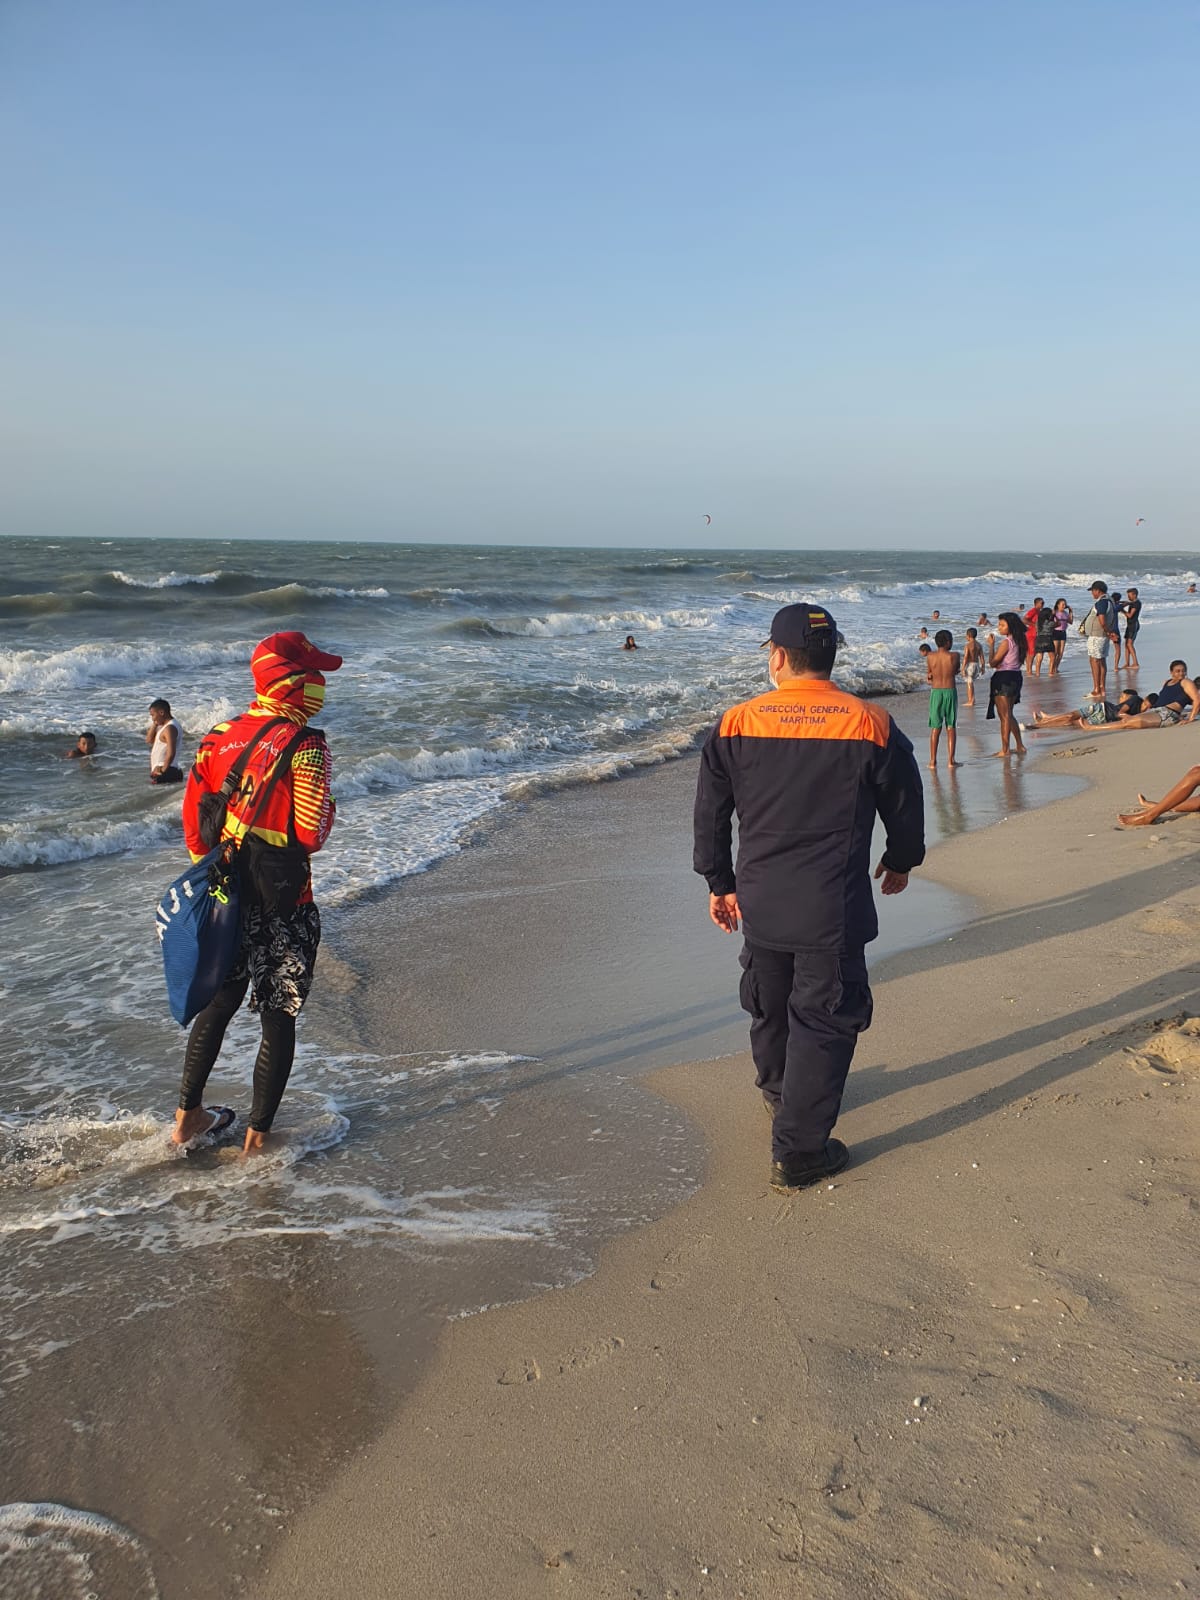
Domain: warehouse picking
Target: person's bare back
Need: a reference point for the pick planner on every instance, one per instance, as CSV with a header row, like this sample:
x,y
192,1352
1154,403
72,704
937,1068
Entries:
x,y
943,668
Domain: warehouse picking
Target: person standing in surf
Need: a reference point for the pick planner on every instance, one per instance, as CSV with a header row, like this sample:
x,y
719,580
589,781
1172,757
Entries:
x,y
1006,657
281,813
163,737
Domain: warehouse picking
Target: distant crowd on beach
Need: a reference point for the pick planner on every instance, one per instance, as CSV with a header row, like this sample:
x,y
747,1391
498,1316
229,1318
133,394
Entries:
x,y
1016,648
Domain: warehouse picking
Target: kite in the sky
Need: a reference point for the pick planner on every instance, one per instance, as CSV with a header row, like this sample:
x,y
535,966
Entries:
x,y
1139,522
707,518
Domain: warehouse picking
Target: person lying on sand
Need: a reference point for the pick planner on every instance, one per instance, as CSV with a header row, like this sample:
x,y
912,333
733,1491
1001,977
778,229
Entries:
x,y
1182,798
1179,691
1131,711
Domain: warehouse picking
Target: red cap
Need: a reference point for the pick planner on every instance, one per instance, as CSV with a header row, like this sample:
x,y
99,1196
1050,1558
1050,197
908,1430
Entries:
x,y
281,654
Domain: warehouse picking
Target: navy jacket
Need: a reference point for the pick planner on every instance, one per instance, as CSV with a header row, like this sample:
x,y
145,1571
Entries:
x,y
807,768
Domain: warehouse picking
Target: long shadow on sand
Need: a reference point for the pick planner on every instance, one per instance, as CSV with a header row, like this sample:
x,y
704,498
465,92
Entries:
x,y
1172,990
1176,991
1094,906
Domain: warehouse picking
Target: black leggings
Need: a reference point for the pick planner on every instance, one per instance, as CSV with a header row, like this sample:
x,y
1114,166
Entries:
x,y
271,1069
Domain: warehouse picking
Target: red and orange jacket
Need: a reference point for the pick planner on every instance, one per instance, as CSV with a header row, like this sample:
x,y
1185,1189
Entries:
x,y
300,809
807,768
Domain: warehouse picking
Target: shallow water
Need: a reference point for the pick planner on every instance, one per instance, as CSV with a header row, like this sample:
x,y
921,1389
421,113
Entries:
x,y
405,1182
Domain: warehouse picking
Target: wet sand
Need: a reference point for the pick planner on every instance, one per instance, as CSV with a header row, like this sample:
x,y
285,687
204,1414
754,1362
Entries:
x,y
572,932
966,1368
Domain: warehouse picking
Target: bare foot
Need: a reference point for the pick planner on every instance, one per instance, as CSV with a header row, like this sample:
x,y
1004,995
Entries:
x,y
1039,716
1142,800
1136,819
933,766
191,1125
254,1141
954,763
1021,750
997,754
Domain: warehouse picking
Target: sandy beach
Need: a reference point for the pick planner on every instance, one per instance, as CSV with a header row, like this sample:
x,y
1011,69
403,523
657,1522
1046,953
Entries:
x,y
299,1381
968,1367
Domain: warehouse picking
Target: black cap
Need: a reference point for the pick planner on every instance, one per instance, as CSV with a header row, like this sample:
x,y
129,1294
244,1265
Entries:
x,y
796,627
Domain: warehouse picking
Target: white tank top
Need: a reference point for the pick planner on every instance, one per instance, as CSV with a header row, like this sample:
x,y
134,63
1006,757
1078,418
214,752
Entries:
x,y
160,750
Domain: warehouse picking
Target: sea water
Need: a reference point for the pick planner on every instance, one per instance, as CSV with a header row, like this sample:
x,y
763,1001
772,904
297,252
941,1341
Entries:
x,y
472,678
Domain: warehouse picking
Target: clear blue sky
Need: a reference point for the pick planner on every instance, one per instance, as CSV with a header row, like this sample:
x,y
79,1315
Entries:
x,y
890,273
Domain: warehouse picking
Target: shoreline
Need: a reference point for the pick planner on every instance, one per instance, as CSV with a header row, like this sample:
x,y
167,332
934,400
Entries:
x,y
574,929
484,1384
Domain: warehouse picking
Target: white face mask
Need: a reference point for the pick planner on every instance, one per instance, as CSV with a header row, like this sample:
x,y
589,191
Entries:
x,y
771,676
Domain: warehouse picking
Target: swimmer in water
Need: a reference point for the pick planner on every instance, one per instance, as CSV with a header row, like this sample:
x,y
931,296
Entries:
x,y
163,736
84,746
630,642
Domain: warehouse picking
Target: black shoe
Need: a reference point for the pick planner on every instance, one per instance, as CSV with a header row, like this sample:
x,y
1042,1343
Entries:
x,y
799,1174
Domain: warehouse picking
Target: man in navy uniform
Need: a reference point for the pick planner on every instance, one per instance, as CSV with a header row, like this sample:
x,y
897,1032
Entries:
x,y
808,768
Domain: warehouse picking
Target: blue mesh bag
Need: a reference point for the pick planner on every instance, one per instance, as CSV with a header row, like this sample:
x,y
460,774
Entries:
x,y
199,926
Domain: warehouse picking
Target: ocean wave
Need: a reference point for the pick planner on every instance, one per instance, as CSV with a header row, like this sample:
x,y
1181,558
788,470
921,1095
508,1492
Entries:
x,y
32,671
387,838
435,595
684,565
566,624
49,604
41,844
846,594
937,585
166,580
388,771
288,596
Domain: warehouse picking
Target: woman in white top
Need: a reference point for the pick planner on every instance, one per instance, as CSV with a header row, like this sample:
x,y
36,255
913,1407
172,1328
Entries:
x,y
163,736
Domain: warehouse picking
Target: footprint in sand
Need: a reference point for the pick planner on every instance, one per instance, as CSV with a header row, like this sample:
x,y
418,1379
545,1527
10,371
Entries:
x,y
1074,750
590,1355
524,1371
527,1370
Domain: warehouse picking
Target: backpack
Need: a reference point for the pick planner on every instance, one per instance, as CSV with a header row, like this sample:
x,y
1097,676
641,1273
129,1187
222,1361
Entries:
x,y
1104,617
214,807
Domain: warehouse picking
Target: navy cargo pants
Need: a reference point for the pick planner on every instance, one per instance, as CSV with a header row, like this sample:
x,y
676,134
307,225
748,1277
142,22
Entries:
x,y
807,1009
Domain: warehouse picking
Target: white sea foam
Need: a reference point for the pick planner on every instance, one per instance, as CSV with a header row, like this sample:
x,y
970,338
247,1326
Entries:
x,y
84,665
121,1177
166,580
50,843
568,624
56,1552
297,593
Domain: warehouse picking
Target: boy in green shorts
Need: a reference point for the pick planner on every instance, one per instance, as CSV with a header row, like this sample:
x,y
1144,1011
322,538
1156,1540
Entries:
x,y
941,669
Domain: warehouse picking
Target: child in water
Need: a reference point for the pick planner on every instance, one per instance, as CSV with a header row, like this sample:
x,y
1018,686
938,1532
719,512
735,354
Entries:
x,y
84,746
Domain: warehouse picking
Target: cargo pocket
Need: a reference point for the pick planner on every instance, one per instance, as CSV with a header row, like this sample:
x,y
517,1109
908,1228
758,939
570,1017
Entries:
x,y
854,1005
748,987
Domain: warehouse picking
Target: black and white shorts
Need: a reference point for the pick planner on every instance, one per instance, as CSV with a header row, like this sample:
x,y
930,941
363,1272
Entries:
x,y
278,955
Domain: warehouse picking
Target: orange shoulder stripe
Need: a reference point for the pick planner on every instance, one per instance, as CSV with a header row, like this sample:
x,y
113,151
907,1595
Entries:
x,y
821,713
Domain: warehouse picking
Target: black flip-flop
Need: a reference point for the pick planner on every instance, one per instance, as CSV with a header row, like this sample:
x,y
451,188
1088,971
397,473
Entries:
x,y
223,1118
